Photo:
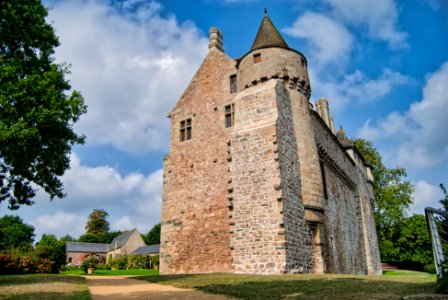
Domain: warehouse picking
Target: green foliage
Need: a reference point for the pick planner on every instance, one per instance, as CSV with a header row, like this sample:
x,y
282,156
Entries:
x,y
410,244
393,195
442,280
49,247
90,262
133,262
103,238
37,111
153,236
97,223
14,234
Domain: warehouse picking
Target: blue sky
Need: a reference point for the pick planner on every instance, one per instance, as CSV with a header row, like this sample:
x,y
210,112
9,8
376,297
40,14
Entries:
x,y
382,64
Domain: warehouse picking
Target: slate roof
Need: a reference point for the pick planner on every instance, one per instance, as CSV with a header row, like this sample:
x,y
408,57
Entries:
x,y
120,240
147,249
86,247
268,35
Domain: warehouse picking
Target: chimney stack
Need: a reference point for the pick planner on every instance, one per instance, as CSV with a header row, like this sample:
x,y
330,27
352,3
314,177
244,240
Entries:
x,y
215,39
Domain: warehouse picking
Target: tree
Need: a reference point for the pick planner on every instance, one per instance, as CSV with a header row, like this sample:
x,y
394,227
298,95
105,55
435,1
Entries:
x,y
37,112
14,234
153,236
409,245
103,238
97,223
393,195
53,249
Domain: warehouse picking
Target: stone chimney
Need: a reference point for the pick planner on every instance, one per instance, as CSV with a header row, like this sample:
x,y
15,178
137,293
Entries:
x,y
215,40
324,111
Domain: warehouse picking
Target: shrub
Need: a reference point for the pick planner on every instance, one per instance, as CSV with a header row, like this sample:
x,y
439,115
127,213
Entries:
x,y
45,265
430,269
27,265
442,280
89,262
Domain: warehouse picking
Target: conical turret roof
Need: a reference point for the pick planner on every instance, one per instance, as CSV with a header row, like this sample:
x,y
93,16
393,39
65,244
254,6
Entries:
x,y
268,35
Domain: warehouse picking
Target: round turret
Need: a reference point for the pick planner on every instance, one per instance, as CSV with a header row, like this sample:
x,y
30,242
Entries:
x,y
274,62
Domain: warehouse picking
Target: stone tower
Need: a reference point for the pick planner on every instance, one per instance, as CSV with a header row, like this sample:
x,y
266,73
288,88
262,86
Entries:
x,y
256,180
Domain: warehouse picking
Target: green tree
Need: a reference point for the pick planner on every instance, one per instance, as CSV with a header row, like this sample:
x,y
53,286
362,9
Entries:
x,y
393,195
153,236
103,238
14,234
53,249
410,244
37,112
97,223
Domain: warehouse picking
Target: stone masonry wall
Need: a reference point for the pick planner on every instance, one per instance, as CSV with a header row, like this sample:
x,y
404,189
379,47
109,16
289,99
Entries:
x,y
195,226
298,237
255,214
347,223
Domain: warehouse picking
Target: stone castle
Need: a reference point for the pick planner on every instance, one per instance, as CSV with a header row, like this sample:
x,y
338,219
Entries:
x,y
256,180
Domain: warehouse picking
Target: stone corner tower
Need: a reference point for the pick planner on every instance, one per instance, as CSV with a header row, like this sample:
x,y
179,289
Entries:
x,y
256,181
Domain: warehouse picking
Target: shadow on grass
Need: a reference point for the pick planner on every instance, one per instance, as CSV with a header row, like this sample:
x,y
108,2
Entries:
x,y
38,278
49,296
295,287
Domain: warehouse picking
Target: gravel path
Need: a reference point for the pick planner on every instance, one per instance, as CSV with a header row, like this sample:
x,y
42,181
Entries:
x,y
121,287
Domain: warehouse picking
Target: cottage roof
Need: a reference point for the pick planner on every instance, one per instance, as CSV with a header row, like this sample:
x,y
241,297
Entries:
x,y
86,247
268,35
147,249
120,240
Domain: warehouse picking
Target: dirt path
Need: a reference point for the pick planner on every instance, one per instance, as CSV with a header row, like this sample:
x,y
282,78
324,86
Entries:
x,y
121,287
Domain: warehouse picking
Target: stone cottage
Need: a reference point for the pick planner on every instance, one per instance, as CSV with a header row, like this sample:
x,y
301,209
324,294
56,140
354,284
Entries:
x,y
257,180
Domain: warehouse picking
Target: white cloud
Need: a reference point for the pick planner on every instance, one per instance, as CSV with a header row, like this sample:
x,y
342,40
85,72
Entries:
x,y
425,195
59,224
420,133
380,17
131,200
357,87
130,64
329,40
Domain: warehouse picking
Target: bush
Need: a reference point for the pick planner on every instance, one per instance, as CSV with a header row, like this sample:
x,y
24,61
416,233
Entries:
x,y
442,280
431,269
45,265
89,262
137,261
154,262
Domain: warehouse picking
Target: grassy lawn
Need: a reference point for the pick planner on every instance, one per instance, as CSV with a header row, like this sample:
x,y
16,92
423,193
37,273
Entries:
x,y
100,272
392,286
43,286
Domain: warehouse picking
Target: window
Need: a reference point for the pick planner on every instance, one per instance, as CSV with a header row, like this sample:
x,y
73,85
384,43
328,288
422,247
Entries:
x,y
233,87
70,259
185,130
229,113
257,58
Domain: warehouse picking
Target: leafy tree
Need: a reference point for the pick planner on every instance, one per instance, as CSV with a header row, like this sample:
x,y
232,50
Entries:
x,y
153,236
14,234
393,195
97,223
410,244
67,238
53,249
103,238
37,112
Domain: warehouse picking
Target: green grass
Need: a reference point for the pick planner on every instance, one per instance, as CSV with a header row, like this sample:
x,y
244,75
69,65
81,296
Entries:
x,y
303,286
408,273
43,286
100,272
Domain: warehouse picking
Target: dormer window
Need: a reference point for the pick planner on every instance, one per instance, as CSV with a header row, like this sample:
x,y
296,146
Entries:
x,y
257,58
185,130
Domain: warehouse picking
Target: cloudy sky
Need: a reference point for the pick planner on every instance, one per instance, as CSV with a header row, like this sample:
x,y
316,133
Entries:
x,y
382,64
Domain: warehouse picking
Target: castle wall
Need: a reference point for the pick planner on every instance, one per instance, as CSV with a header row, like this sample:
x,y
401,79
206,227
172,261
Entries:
x,y
256,240
348,221
195,226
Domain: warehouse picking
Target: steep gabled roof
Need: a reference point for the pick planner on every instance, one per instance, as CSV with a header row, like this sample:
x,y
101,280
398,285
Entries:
x,y
86,247
268,35
120,240
147,249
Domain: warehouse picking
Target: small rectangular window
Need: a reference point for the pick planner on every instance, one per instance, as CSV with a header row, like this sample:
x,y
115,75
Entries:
x,y
185,130
257,58
233,87
229,114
